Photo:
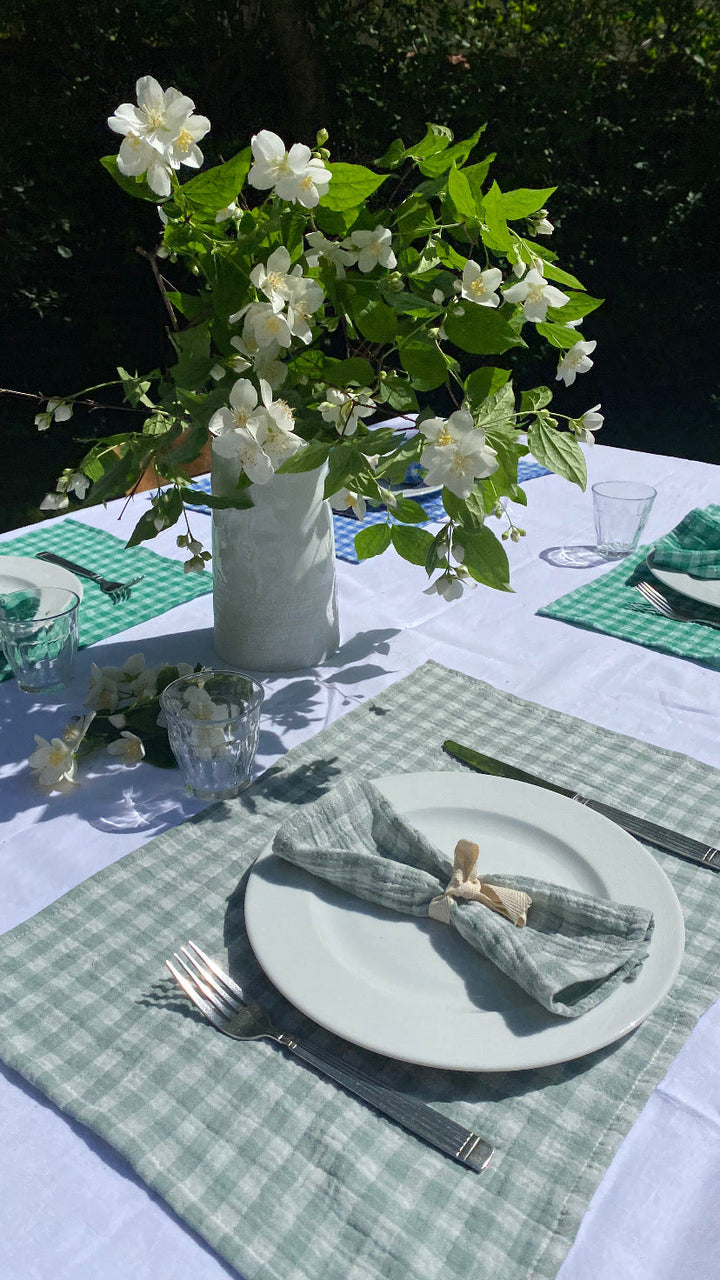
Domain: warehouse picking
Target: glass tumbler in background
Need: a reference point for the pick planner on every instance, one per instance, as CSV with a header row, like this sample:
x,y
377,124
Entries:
x,y
213,722
621,509
39,637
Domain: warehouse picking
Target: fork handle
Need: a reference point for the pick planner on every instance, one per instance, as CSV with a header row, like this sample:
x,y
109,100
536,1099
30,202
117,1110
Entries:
x,y
68,564
445,1135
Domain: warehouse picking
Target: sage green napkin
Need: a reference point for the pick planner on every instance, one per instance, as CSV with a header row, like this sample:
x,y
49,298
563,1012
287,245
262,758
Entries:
x,y
693,546
573,951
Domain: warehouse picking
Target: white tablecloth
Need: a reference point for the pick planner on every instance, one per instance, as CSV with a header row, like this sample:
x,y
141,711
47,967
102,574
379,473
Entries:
x,y
70,1209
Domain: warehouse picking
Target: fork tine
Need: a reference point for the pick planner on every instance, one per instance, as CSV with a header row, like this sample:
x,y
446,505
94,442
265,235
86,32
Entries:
x,y
193,994
218,1001
653,597
200,970
219,973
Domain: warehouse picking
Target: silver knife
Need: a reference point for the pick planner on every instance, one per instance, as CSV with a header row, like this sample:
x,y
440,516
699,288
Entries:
x,y
649,832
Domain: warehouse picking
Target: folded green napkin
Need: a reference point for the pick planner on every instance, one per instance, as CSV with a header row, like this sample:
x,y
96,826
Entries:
x,y
573,951
693,546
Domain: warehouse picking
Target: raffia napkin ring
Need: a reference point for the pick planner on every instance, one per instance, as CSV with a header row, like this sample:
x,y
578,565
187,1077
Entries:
x,y
465,886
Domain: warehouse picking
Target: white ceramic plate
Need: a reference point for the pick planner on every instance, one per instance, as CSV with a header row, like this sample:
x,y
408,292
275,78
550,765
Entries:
x,y
414,989
706,590
18,573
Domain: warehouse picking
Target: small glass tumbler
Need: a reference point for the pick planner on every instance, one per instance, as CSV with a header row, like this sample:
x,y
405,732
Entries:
x,y
39,637
621,509
213,722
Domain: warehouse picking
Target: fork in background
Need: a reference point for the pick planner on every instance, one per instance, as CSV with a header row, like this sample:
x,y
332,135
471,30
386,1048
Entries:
x,y
118,592
224,1004
661,605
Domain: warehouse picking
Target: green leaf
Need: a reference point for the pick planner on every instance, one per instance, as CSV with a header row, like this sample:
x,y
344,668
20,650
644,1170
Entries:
x,y
558,335
168,505
480,330
578,306
372,541
135,388
435,165
188,304
398,393
530,248
482,383
535,399
239,501
138,189
477,173
216,188
485,558
194,360
494,229
394,155
308,459
408,511
376,321
525,201
422,361
344,463
414,217
351,186
437,138
558,450
412,544
462,198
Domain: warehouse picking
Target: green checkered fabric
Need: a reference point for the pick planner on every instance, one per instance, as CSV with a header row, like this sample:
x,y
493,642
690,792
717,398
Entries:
x,y
285,1175
693,546
574,950
611,605
164,583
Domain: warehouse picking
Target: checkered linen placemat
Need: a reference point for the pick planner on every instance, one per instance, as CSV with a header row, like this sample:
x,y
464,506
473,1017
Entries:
x,y
164,583
611,605
347,526
284,1174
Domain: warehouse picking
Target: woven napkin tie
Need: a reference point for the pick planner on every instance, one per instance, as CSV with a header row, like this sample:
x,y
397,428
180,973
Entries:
x,y
465,886
573,951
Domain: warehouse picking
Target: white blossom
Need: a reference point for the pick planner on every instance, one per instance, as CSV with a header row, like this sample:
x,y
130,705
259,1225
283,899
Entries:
x,y
266,325
295,175
371,248
345,498
345,409
272,279
540,224
576,360
457,454
536,295
53,761
160,134
243,401
54,502
231,210
103,693
480,286
590,422
305,296
447,585
331,250
75,731
128,747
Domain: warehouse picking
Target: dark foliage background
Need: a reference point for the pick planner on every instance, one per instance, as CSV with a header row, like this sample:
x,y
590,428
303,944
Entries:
x,y
617,103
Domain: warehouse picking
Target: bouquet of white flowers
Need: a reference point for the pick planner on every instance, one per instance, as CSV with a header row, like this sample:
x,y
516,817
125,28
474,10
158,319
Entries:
x,y
319,295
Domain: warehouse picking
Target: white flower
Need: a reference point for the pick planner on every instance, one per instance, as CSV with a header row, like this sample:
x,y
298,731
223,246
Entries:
x,y
590,422
54,502
266,325
128,747
79,483
75,731
331,250
273,426
59,410
536,296
457,454
273,279
243,401
346,408
447,586
103,693
374,247
231,210
479,286
576,360
43,421
294,174
345,498
162,122
438,297
208,741
514,258
540,224
118,722
200,704
53,761
137,157
305,296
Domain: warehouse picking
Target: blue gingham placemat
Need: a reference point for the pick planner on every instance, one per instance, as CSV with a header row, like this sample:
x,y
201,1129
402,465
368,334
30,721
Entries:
x,y
347,526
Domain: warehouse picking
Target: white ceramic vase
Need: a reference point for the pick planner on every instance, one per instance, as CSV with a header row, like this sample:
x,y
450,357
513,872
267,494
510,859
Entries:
x,y
274,593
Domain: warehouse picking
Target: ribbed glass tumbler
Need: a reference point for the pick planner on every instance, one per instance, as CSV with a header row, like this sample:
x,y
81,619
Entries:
x,y
213,722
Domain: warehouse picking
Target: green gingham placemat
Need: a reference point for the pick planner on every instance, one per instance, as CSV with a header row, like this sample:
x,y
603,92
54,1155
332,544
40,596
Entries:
x,y
285,1175
164,583
611,605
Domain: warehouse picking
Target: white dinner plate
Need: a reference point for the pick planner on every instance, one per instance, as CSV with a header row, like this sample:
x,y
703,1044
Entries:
x,y
706,590
414,989
20,573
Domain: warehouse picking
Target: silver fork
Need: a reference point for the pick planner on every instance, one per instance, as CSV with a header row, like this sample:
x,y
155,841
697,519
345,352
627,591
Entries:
x,y
663,606
118,592
224,1004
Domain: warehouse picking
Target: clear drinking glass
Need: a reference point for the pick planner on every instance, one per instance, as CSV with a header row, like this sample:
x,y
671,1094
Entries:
x,y
213,722
621,509
39,636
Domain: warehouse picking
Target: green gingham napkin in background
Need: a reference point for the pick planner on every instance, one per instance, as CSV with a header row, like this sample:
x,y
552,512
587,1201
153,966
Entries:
x,y
164,583
693,546
286,1175
611,604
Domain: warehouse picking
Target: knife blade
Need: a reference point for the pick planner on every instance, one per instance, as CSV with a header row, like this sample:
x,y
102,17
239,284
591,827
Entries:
x,y
648,832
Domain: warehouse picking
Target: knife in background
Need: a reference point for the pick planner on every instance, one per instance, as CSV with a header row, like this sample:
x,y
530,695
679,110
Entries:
x,y
641,828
